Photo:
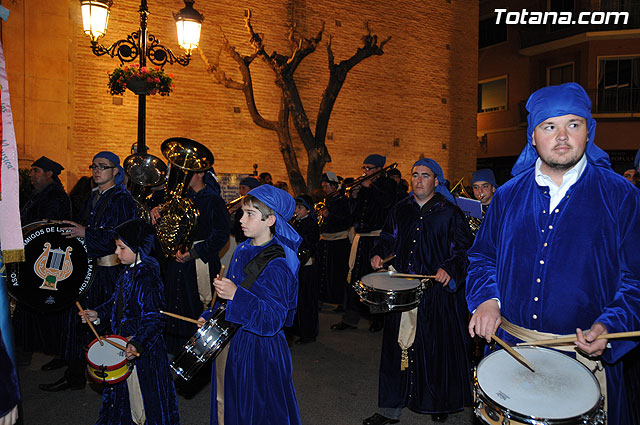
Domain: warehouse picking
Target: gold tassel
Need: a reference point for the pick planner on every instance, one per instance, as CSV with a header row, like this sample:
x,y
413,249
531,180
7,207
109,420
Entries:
x,y
404,359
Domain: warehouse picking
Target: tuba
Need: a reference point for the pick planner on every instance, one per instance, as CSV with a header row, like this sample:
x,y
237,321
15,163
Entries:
x,y
144,172
179,215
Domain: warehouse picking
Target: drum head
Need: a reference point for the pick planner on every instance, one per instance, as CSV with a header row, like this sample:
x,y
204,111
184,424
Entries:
x,y
107,355
56,272
560,388
383,281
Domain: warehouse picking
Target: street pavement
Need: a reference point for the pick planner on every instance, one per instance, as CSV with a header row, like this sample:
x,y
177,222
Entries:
x,y
336,380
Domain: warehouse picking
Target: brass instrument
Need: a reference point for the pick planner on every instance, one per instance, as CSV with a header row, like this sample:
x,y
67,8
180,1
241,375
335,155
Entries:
x,y
179,216
474,222
144,172
231,204
348,191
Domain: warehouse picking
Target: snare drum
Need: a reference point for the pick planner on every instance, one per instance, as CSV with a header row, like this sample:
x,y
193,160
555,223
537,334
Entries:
x,y
106,363
208,342
383,293
560,391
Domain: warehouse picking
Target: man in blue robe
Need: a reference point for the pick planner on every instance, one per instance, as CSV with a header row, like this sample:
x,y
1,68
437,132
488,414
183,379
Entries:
x,y
110,205
188,277
424,363
557,251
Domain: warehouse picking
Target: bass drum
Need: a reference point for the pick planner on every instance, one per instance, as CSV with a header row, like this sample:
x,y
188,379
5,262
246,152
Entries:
x,y
56,272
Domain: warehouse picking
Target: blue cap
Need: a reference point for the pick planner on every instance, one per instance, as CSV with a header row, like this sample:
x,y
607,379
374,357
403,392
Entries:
x,y
376,160
556,101
484,175
437,171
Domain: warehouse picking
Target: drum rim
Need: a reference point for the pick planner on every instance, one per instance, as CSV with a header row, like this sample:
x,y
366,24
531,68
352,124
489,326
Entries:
x,y
108,368
20,299
516,415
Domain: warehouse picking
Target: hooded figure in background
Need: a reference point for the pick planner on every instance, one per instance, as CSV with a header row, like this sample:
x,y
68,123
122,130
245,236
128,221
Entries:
x,y
558,248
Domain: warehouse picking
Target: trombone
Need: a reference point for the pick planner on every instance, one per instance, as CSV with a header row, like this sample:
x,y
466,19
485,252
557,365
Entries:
x,y
231,204
347,191
474,222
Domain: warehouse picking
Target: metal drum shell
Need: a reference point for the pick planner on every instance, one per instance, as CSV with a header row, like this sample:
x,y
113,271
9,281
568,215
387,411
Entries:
x,y
383,300
25,285
207,343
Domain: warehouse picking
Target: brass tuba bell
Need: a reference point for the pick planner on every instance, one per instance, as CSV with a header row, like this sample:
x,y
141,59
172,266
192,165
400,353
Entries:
x,y
179,215
144,172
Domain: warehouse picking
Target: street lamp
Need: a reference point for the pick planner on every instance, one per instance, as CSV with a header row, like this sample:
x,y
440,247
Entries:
x,y
140,44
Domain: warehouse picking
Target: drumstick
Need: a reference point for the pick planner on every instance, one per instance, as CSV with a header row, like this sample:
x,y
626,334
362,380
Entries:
x,y
389,258
89,323
412,276
177,316
519,357
571,339
120,346
213,299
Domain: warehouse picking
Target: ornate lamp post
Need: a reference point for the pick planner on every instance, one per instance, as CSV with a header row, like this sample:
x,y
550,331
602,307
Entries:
x,y
140,44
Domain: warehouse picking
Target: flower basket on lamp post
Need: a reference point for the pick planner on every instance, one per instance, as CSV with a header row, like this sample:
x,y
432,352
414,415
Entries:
x,y
140,80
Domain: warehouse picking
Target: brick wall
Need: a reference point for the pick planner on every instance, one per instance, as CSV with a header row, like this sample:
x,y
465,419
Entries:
x,y
421,92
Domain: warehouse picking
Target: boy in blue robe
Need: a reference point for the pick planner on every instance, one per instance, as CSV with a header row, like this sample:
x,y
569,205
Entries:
x,y
258,383
134,313
557,250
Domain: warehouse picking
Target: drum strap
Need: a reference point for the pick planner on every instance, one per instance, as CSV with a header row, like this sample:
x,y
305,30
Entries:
x,y
259,262
528,335
354,250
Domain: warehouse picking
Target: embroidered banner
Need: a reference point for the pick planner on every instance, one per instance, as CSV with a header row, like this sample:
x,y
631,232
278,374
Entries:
x,y
10,227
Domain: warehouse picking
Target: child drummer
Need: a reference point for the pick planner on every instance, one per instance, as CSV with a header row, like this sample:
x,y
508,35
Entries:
x,y
148,394
261,290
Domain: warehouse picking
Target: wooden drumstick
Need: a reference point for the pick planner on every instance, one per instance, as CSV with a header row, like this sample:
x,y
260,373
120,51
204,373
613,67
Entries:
x,y
571,339
89,323
215,294
177,316
120,346
519,357
411,276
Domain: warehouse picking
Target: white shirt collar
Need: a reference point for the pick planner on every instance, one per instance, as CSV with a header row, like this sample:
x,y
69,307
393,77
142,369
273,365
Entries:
x,y
569,178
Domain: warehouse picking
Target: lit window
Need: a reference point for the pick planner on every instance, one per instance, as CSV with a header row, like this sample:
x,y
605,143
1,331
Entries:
x,y
492,95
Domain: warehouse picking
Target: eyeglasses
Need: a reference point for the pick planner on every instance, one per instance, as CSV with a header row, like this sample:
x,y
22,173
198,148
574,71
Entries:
x,y
367,168
100,167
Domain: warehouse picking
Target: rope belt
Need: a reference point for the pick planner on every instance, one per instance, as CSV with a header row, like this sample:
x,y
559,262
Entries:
x,y
108,261
334,236
354,250
528,335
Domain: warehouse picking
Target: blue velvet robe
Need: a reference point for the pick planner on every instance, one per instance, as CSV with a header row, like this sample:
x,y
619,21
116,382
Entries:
x,y
333,256
258,382
141,290
306,318
438,378
181,287
100,242
554,271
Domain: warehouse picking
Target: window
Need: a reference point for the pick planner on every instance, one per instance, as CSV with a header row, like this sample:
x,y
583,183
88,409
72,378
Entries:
x,y
618,85
490,33
492,95
560,74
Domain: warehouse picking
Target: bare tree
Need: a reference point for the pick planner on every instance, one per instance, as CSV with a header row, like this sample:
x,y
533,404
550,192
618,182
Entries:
x,y
284,68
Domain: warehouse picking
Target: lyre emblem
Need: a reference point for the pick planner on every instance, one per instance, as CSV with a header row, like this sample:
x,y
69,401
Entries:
x,y
53,266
